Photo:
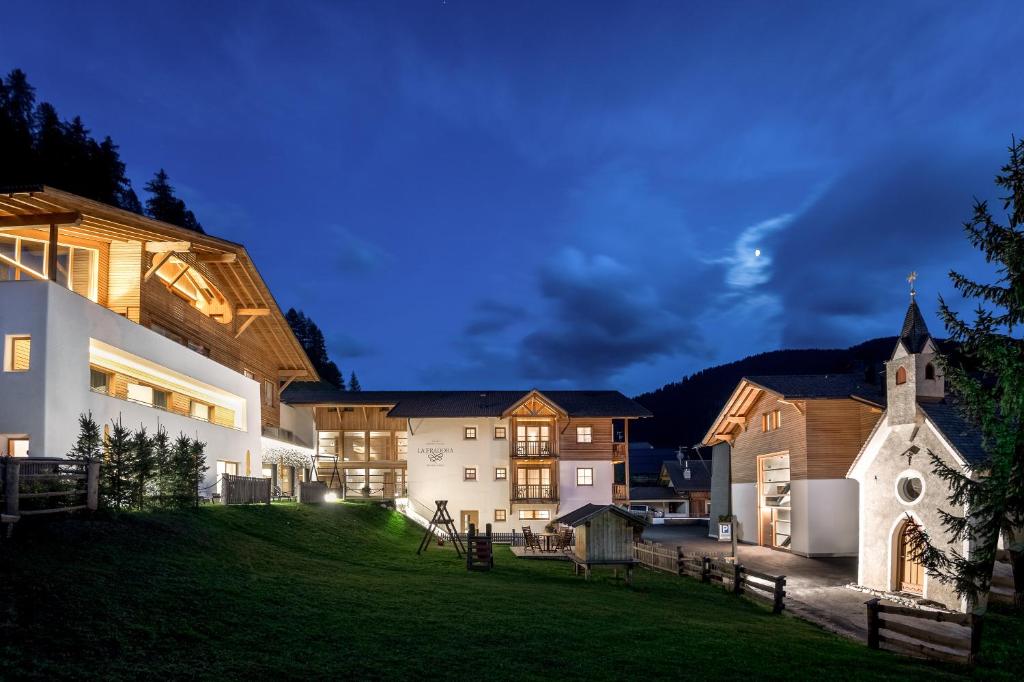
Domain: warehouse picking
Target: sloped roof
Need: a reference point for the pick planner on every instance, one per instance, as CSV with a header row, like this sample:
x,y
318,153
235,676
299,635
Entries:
x,y
483,403
654,493
700,475
914,334
962,435
579,516
799,386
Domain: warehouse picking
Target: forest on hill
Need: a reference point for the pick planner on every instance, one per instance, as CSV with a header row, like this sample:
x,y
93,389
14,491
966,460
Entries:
x,y
683,411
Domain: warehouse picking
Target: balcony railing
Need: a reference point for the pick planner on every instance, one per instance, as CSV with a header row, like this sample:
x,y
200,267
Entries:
x,y
532,448
619,492
534,492
379,491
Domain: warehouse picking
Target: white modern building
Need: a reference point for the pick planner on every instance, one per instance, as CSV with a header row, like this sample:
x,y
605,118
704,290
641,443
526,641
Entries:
x,y
112,313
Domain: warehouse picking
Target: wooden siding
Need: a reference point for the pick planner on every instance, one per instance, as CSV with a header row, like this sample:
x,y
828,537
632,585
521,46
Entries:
x,y
836,431
606,537
751,442
178,403
359,419
124,280
600,449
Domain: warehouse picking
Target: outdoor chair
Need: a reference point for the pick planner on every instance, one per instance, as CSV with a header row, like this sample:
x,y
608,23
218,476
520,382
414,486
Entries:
x,y
530,541
564,540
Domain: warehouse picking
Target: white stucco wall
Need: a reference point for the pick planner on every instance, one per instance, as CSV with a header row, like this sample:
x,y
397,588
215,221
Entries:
x,y
825,517
45,402
300,421
744,506
443,479
572,496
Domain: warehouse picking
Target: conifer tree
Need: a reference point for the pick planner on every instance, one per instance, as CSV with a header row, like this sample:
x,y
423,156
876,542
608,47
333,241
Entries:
x,y
166,206
312,341
17,104
353,383
89,445
164,466
197,468
144,467
992,397
117,470
181,467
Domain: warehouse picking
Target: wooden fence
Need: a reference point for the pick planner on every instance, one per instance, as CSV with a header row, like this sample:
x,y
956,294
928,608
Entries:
x,y
46,485
312,492
714,569
244,490
959,644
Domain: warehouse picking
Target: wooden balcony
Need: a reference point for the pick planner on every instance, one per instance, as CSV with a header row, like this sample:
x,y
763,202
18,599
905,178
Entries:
x,y
620,492
532,448
534,493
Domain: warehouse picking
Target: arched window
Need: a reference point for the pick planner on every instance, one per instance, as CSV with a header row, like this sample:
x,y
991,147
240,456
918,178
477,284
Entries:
x,y
901,376
929,371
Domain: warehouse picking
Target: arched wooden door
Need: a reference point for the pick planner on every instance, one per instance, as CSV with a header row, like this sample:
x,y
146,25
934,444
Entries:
x,y
909,572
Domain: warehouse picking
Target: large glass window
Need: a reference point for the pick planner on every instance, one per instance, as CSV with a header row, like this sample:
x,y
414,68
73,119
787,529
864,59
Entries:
x,y
380,445
402,444
77,266
355,446
533,439
774,480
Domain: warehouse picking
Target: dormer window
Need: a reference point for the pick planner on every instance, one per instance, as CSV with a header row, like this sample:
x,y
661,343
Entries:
x,y
901,375
929,371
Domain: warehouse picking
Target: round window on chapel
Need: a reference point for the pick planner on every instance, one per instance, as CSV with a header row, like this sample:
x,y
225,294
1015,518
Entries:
x,y
909,488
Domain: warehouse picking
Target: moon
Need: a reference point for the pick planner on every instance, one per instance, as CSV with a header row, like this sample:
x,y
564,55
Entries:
x,y
757,253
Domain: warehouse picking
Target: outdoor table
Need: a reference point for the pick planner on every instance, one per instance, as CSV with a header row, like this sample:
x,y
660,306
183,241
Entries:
x,y
547,538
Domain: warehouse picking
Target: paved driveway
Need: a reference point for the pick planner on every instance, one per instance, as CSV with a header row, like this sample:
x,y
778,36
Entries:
x,y
815,588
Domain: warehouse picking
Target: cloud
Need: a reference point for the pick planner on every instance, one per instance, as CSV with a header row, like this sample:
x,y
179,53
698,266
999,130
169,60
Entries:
x,y
355,254
491,316
749,264
345,346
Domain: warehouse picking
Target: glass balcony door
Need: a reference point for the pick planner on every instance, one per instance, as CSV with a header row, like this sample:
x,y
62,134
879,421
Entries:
x,y
533,439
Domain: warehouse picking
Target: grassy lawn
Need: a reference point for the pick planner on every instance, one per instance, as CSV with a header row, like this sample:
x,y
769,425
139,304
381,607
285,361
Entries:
x,y
296,592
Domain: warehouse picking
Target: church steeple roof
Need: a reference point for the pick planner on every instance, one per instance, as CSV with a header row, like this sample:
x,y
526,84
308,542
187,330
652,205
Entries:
x,y
915,332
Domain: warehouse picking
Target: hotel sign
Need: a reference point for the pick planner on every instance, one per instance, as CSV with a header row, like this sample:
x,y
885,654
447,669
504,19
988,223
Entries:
x,y
435,452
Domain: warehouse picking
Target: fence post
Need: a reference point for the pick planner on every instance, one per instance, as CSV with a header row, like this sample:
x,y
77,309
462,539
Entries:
x,y
705,569
780,594
270,492
470,547
225,488
872,605
680,558
92,485
11,483
737,579
976,622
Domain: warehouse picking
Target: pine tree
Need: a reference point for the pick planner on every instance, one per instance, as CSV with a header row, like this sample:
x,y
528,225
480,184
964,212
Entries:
x,y
312,341
17,106
144,467
164,466
991,396
117,470
89,445
353,383
165,206
181,467
197,468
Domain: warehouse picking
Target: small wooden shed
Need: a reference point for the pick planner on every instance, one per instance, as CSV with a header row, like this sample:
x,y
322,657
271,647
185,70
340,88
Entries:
x,y
604,536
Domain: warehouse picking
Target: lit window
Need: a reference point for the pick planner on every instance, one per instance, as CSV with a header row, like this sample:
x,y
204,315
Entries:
x,y
140,393
268,393
901,376
22,258
500,433
584,476
199,410
402,444
584,434
19,352
500,473
188,284
534,515
776,419
469,474
469,433
499,515
98,381
161,399
764,422
17,447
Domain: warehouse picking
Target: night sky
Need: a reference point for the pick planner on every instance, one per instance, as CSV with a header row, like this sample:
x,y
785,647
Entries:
x,y
514,194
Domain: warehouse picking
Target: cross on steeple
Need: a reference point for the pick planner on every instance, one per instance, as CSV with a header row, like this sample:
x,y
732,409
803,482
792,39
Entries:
x,y
911,278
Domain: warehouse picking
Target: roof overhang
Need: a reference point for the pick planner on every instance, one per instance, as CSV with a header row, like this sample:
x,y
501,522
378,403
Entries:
x,y
225,262
735,415
527,403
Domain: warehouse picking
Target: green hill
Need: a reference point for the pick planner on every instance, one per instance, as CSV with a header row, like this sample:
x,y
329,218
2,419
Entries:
x,y
337,591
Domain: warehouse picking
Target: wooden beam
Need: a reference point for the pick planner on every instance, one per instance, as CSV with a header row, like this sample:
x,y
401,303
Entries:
x,y
41,219
160,247
285,385
18,266
179,276
51,254
245,325
216,257
285,373
158,261
253,312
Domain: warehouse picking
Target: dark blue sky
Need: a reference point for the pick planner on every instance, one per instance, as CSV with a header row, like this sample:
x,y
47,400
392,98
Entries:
x,y
509,194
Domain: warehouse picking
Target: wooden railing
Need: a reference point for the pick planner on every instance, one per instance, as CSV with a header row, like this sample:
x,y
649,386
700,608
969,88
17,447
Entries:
x,y
534,492
49,485
376,491
959,645
734,577
620,491
532,448
244,490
